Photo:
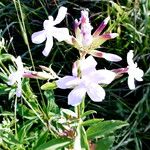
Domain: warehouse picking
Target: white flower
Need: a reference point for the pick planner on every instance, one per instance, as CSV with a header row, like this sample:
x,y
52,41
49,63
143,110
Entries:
x,y
135,73
51,31
88,82
16,76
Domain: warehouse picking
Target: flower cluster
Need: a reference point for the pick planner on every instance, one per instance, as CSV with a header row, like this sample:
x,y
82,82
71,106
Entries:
x,y
85,77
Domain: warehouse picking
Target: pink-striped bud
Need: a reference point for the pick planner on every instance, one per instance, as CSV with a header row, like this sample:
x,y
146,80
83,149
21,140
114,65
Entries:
x,y
107,56
101,27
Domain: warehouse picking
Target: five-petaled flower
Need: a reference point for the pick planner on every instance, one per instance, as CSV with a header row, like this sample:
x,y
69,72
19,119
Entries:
x,y
86,42
51,31
86,79
135,73
16,76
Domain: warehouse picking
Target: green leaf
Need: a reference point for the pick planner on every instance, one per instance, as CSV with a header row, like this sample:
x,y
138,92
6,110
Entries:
x,y
117,7
104,128
84,141
51,105
6,113
4,77
88,113
23,131
12,93
25,112
27,90
49,86
81,141
105,143
5,57
68,113
91,122
4,88
42,139
55,144
10,138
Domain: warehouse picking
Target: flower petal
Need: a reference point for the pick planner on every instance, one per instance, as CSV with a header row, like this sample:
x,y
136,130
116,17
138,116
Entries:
x,y
87,65
130,58
48,46
61,34
102,76
48,24
67,82
61,15
77,30
19,88
38,37
139,74
131,83
75,69
76,95
19,64
95,92
85,69
12,78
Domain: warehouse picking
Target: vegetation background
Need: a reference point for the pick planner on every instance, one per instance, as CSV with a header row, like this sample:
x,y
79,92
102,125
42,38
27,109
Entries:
x,y
130,18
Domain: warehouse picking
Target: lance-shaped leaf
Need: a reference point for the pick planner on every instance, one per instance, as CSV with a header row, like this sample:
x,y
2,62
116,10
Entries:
x,y
104,128
105,143
55,144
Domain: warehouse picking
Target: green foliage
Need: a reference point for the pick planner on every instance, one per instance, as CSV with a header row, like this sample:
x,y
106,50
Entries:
x,y
81,141
54,144
5,57
51,106
105,143
104,128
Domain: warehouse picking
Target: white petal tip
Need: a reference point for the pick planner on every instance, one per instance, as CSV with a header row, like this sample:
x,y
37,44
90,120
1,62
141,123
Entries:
x,y
112,57
63,8
106,20
45,53
38,37
113,35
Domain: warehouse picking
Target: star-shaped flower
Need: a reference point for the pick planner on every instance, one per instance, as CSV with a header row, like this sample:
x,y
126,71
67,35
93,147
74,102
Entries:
x,y
135,73
16,76
86,79
51,31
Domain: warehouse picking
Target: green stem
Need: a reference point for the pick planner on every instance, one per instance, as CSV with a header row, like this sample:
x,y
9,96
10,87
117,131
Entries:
x,y
20,16
15,117
34,111
80,109
4,67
